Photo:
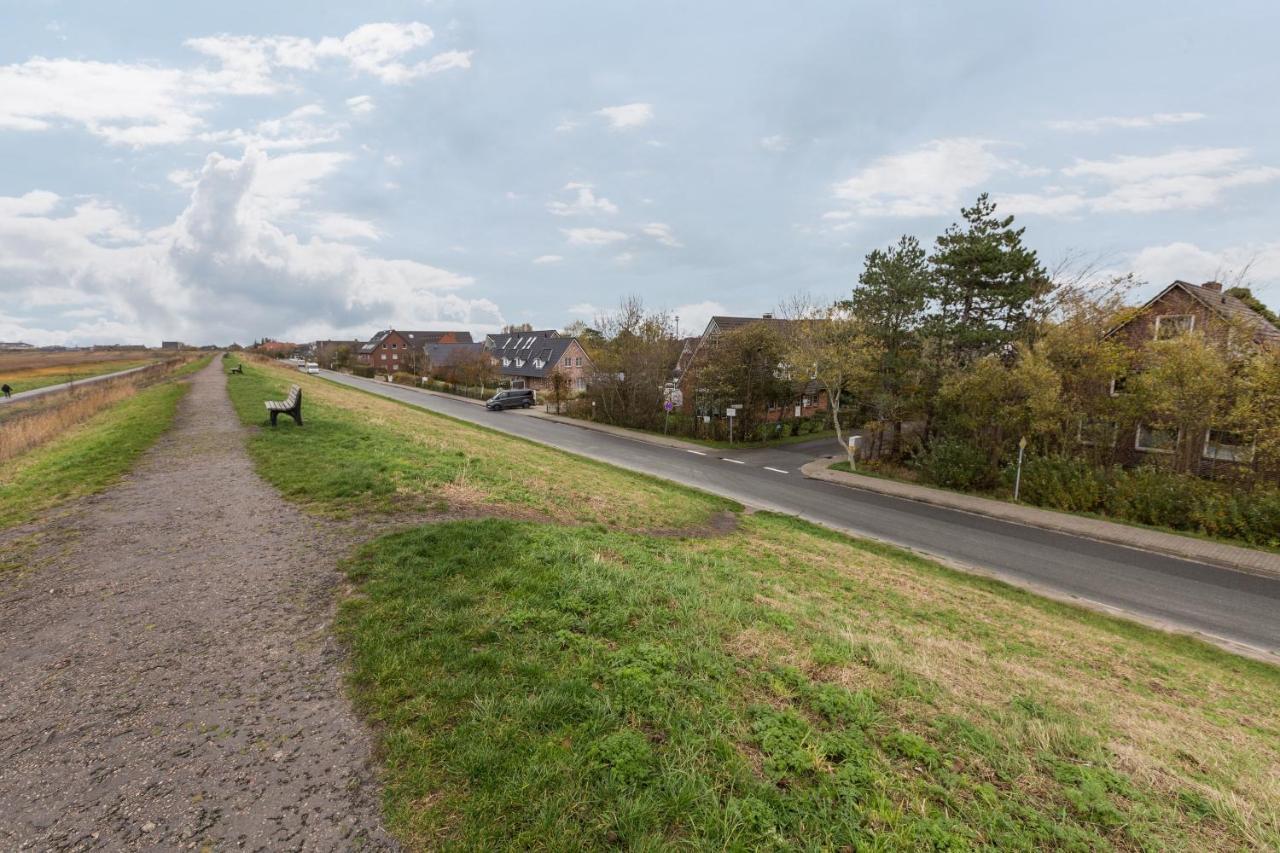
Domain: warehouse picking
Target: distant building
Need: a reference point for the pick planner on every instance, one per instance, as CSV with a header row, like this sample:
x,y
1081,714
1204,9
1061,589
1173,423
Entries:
x,y
530,359
172,345
393,350
8,346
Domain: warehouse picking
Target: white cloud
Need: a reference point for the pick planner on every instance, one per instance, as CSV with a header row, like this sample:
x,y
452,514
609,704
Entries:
x,y
337,226
1185,179
775,143
1259,264
584,202
141,105
592,236
585,309
1094,125
695,316
661,232
627,116
624,257
931,180
361,104
223,270
305,127
548,259
393,160
837,215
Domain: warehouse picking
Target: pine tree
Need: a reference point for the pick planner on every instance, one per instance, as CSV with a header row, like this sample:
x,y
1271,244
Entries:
x,y
986,282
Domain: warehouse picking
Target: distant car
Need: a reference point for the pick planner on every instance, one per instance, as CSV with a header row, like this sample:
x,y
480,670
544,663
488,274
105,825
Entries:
x,y
516,398
312,368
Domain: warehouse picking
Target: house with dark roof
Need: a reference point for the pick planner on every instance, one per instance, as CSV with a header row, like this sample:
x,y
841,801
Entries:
x,y
530,359
1182,308
396,350
810,398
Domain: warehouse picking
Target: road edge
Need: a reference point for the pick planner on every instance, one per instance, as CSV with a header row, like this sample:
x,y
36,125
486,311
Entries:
x,y
1201,551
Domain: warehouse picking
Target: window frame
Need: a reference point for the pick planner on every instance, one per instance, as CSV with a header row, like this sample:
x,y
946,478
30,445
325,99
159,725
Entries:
x,y
1161,317
1236,455
1138,445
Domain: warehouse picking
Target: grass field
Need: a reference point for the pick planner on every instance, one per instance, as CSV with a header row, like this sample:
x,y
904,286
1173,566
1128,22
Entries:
x,y
27,371
88,457
570,678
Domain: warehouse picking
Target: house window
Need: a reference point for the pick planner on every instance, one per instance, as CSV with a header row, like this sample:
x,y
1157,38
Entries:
x,y
1118,385
1153,440
580,383
1227,446
383,356
506,362
579,362
1173,325
568,361
1094,431
395,357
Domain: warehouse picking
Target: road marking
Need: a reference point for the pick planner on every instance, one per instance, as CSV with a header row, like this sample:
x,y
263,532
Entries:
x,y
775,470
698,452
734,461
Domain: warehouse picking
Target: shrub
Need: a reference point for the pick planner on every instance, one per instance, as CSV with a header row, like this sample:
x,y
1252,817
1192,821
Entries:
x,y
954,464
1153,495
362,370
404,379
1059,482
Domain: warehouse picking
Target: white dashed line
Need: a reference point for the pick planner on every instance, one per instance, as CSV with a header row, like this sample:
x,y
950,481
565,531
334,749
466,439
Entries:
x,y
697,452
774,470
734,461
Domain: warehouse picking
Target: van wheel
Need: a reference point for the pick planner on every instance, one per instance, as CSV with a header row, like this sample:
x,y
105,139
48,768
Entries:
x,y
525,404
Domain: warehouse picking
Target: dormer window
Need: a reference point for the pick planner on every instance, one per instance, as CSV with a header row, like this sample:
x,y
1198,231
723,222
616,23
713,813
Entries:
x,y
1172,325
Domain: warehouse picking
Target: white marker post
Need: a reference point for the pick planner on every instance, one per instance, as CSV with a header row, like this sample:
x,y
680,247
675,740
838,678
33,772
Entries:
x,y
1017,478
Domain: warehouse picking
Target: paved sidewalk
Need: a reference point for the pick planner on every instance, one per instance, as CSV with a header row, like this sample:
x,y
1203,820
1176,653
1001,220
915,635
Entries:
x,y
1201,550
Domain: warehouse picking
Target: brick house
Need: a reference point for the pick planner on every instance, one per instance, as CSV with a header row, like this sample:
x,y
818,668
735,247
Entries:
x,y
1180,308
530,359
809,400
393,350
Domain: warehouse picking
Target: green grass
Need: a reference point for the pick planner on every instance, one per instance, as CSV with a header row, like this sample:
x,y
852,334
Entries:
x,y
359,453
562,677
544,687
88,458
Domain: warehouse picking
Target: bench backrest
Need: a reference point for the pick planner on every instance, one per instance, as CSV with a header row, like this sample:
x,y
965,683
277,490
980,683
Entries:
x,y
294,393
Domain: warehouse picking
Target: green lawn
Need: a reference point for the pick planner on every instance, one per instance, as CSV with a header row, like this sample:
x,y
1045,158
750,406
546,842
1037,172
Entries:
x,y
578,675
87,458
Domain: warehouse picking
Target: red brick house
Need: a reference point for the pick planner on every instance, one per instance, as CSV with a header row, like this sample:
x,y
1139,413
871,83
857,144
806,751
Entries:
x,y
393,350
1181,308
531,359
809,400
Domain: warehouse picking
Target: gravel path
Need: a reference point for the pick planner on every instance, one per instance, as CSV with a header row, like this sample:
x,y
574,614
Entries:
x,y
167,675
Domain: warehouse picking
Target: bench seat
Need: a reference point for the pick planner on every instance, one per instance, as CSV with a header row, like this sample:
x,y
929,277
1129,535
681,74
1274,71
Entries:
x,y
291,406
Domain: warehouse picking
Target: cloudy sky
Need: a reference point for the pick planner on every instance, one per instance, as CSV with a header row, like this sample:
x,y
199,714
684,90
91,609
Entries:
x,y
231,170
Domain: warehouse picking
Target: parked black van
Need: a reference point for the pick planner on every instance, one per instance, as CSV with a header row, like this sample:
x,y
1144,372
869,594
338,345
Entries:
x,y
516,398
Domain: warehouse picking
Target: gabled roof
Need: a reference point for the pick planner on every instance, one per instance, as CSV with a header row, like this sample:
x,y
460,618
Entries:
x,y
1228,307
518,340
442,355
523,352
729,324
416,338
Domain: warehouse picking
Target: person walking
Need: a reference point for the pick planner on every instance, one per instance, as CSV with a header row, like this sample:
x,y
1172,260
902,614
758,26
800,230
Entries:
x,y
6,390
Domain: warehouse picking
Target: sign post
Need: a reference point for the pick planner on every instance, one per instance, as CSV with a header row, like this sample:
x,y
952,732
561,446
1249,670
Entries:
x,y
1017,478
855,444
731,411
666,407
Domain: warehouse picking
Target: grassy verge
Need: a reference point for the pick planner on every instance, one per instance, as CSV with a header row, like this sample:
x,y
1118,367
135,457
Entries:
x,y
996,496
593,685
41,377
88,457
359,453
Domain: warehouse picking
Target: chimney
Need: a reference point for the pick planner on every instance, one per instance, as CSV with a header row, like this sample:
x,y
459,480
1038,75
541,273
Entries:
x,y
1215,286
768,316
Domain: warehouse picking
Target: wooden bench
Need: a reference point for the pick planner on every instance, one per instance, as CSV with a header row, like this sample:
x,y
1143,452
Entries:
x,y
291,406
239,368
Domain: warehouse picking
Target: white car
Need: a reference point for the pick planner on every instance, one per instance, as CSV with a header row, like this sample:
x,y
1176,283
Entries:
x,y
312,368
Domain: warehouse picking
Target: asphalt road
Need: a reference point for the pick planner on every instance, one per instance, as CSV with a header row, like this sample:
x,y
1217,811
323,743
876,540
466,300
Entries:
x,y
1222,604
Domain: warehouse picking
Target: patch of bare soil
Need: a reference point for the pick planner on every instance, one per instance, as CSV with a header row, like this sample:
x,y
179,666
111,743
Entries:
x,y
168,676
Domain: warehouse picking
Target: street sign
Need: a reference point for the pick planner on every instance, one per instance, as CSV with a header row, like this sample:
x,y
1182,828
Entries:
x,y
731,412
667,406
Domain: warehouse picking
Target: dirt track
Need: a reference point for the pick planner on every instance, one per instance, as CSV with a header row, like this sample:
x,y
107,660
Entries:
x,y
168,680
